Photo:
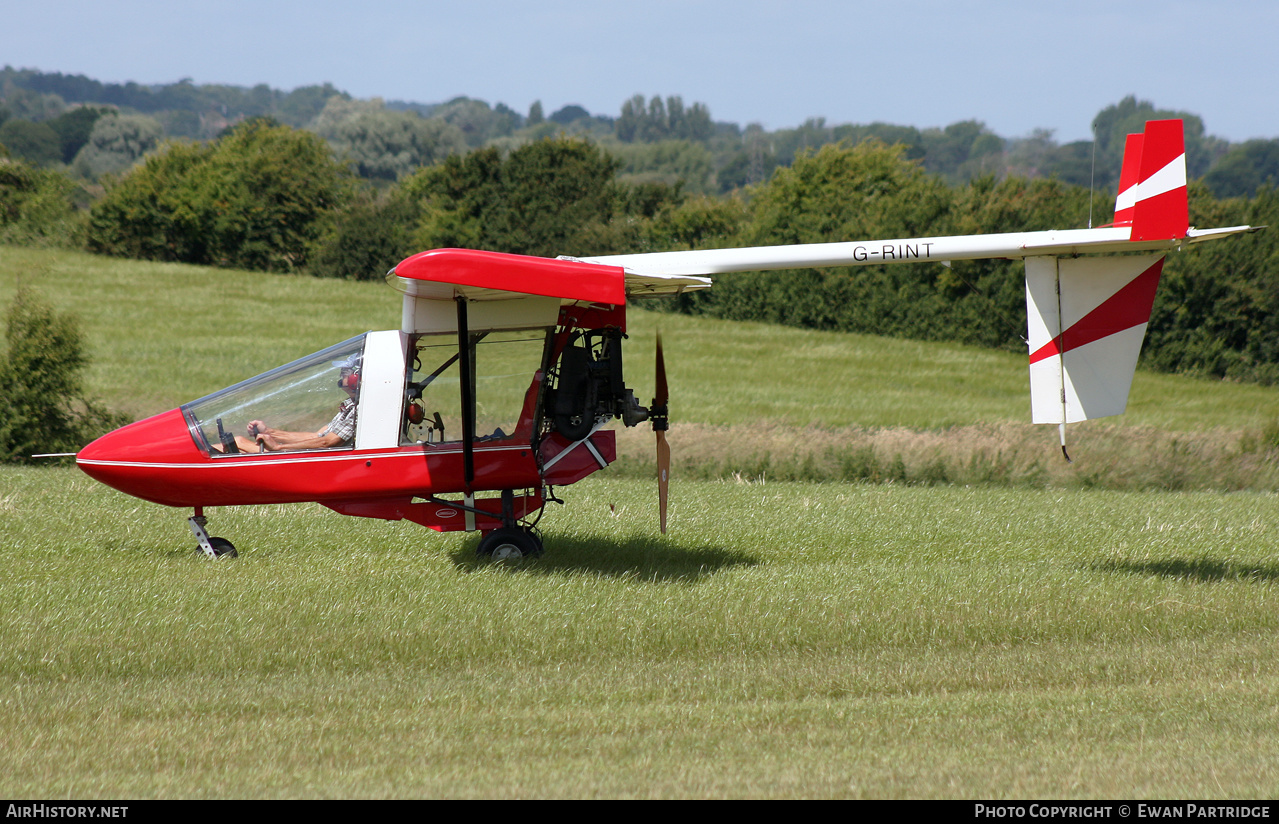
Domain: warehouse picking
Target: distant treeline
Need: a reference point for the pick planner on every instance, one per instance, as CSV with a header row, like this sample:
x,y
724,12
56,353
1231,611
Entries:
x,y
315,182
657,140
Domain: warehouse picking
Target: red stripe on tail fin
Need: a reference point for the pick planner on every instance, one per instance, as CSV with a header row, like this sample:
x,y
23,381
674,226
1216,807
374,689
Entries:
x,y
1129,306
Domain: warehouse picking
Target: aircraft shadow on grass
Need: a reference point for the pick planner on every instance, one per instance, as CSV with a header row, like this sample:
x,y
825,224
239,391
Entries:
x,y
1194,569
639,558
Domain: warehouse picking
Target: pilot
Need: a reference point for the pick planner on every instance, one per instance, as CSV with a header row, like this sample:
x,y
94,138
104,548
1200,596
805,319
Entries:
x,y
339,432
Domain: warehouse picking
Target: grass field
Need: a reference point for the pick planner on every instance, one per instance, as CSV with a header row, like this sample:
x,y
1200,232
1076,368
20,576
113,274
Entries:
x,y
790,640
787,639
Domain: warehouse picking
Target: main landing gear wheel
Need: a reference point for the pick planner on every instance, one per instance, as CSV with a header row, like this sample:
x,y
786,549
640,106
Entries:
x,y
509,544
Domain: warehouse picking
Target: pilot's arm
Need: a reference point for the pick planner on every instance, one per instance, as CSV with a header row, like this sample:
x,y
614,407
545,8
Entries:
x,y
338,432
278,441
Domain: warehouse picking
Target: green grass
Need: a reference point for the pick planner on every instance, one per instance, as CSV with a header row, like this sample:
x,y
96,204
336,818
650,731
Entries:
x,y
960,639
786,640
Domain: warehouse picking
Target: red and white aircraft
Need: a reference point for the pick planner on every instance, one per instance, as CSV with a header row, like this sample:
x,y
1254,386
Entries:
x,y
505,369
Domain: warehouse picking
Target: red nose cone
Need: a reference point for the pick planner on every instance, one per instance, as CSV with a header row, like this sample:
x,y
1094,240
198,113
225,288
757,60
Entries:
x,y
128,458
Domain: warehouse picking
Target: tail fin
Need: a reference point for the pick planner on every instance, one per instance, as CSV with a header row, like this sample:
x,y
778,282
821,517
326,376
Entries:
x,y
1087,319
1152,183
1088,316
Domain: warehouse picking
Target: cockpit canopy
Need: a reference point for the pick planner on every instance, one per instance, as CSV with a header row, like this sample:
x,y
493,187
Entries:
x,y
301,396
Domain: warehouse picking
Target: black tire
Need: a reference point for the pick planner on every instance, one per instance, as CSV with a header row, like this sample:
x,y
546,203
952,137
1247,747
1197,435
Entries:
x,y
509,544
222,548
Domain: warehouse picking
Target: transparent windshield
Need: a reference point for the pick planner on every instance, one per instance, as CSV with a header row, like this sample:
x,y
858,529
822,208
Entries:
x,y
304,397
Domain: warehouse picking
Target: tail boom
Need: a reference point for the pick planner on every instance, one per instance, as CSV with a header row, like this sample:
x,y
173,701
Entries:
x,y
1087,316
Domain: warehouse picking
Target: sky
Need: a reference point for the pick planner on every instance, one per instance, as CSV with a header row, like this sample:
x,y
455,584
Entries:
x,y
1017,66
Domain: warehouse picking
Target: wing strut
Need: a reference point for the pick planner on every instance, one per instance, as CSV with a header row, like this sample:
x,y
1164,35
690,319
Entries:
x,y
466,364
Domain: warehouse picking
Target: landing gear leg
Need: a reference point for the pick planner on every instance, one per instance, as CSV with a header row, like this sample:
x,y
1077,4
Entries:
x,y
511,542
213,548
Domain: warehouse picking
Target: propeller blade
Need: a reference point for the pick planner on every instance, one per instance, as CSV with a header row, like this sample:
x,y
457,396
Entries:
x,y
660,377
659,428
663,476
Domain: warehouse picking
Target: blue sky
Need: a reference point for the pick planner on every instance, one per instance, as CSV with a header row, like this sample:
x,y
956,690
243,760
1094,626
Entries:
x,y
1015,65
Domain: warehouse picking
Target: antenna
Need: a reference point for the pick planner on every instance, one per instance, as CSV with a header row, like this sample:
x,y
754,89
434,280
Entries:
x,y
1092,174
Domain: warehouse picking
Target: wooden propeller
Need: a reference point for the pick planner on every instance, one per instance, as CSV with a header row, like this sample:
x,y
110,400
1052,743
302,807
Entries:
x,y
660,424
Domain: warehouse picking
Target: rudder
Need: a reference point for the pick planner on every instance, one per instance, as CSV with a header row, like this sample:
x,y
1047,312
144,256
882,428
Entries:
x,y
1087,319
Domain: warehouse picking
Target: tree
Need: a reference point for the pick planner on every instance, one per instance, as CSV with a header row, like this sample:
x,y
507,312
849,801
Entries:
x,y
149,215
662,120
964,150
845,193
35,143
547,198
682,162
117,142
1245,168
365,237
983,302
36,207
840,193
74,128
569,114
253,199
31,104
754,163
338,110
388,145
811,135
478,122
45,407
381,144
698,223
627,126
890,135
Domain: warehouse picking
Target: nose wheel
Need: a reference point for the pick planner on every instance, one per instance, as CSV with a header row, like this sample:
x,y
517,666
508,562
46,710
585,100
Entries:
x,y
212,548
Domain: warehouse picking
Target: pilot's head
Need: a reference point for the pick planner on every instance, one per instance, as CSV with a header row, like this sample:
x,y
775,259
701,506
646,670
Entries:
x,y
349,374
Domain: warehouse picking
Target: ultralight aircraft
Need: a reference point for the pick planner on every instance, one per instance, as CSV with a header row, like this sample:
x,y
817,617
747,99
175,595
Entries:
x,y
506,368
